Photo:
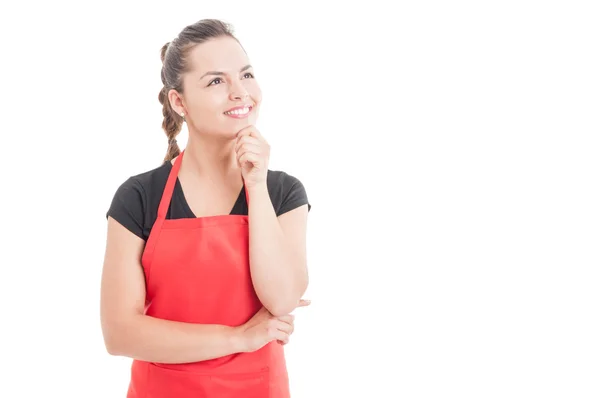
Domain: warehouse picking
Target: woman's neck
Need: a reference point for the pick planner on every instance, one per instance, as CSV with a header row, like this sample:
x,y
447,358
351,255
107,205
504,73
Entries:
x,y
213,159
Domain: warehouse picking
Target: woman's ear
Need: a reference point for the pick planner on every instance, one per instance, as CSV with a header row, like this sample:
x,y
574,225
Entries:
x,y
176,101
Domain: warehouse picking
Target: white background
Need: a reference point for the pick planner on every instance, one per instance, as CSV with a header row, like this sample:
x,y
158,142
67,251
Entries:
x,y
449,150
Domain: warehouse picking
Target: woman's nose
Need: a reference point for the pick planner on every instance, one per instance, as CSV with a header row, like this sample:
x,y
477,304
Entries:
x,y
239,95
238,91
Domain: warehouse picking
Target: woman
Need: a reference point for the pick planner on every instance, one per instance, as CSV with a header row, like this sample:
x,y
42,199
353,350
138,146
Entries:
x,y
206,254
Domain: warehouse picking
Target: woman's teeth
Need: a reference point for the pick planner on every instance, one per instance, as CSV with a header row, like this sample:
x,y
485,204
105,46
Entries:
x,y
239,111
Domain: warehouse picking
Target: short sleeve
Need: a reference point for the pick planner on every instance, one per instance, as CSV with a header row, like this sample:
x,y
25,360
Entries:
x,y
127,207
294,195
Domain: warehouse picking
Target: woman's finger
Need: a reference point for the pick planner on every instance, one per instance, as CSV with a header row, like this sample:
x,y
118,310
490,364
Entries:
x,y
249,157
303,303
283,326
248,147
246,140
287,318
276,334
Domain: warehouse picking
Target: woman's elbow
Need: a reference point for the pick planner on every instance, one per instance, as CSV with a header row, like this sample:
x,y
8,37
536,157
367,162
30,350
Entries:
x,y
111,341
284,305
113,333
281,309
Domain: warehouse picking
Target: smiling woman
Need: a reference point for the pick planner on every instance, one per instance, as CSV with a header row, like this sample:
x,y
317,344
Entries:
x,y
199,95
206,254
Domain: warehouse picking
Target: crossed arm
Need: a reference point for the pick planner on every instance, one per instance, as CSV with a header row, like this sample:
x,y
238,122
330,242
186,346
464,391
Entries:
x,y
277,253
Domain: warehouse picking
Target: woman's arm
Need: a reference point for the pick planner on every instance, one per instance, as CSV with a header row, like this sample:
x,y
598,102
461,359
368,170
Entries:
x,y
277,252
128,332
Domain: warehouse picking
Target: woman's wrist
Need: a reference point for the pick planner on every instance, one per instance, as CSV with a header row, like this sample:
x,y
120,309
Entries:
x,y
257,187
237,339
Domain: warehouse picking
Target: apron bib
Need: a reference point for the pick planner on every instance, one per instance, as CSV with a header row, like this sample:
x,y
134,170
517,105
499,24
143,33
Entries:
x,y
197,270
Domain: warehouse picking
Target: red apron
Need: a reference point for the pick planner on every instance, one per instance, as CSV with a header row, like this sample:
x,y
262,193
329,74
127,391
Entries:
x,y
197,270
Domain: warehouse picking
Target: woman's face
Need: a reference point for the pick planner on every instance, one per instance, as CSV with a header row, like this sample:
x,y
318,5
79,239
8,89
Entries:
x,y
221,79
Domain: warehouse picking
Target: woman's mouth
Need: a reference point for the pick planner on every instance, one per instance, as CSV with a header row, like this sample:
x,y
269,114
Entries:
x,y
239,112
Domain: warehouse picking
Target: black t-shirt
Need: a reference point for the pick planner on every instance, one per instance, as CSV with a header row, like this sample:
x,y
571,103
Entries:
x,y
135,203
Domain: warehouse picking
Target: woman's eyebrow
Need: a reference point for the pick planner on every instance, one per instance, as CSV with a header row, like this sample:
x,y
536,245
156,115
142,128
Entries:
x,y
222,73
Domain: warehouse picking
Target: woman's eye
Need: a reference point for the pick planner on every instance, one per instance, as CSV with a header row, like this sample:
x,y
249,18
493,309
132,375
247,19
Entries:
x,y
217,79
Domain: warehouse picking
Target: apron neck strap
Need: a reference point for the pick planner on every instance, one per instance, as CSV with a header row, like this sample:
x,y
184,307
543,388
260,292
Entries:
x,y
168,192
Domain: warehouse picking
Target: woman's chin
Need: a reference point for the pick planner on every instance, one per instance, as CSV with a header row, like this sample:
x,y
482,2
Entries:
x,y
239,124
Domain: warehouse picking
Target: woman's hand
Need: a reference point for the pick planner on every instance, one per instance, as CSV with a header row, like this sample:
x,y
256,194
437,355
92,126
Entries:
x,y
252,153
263,328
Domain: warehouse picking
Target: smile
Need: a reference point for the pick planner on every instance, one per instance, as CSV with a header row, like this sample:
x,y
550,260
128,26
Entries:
x,y
239,112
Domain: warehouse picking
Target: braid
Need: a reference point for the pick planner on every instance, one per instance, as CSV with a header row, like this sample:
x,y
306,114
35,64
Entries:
x,y
171,125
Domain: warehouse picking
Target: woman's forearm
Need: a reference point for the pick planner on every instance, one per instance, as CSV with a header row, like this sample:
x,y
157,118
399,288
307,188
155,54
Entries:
x,y
152,339
278,273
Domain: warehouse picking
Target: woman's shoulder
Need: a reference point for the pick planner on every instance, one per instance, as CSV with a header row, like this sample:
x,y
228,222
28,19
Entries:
x,y
280,180
286,190
280,177
136,195
146,181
